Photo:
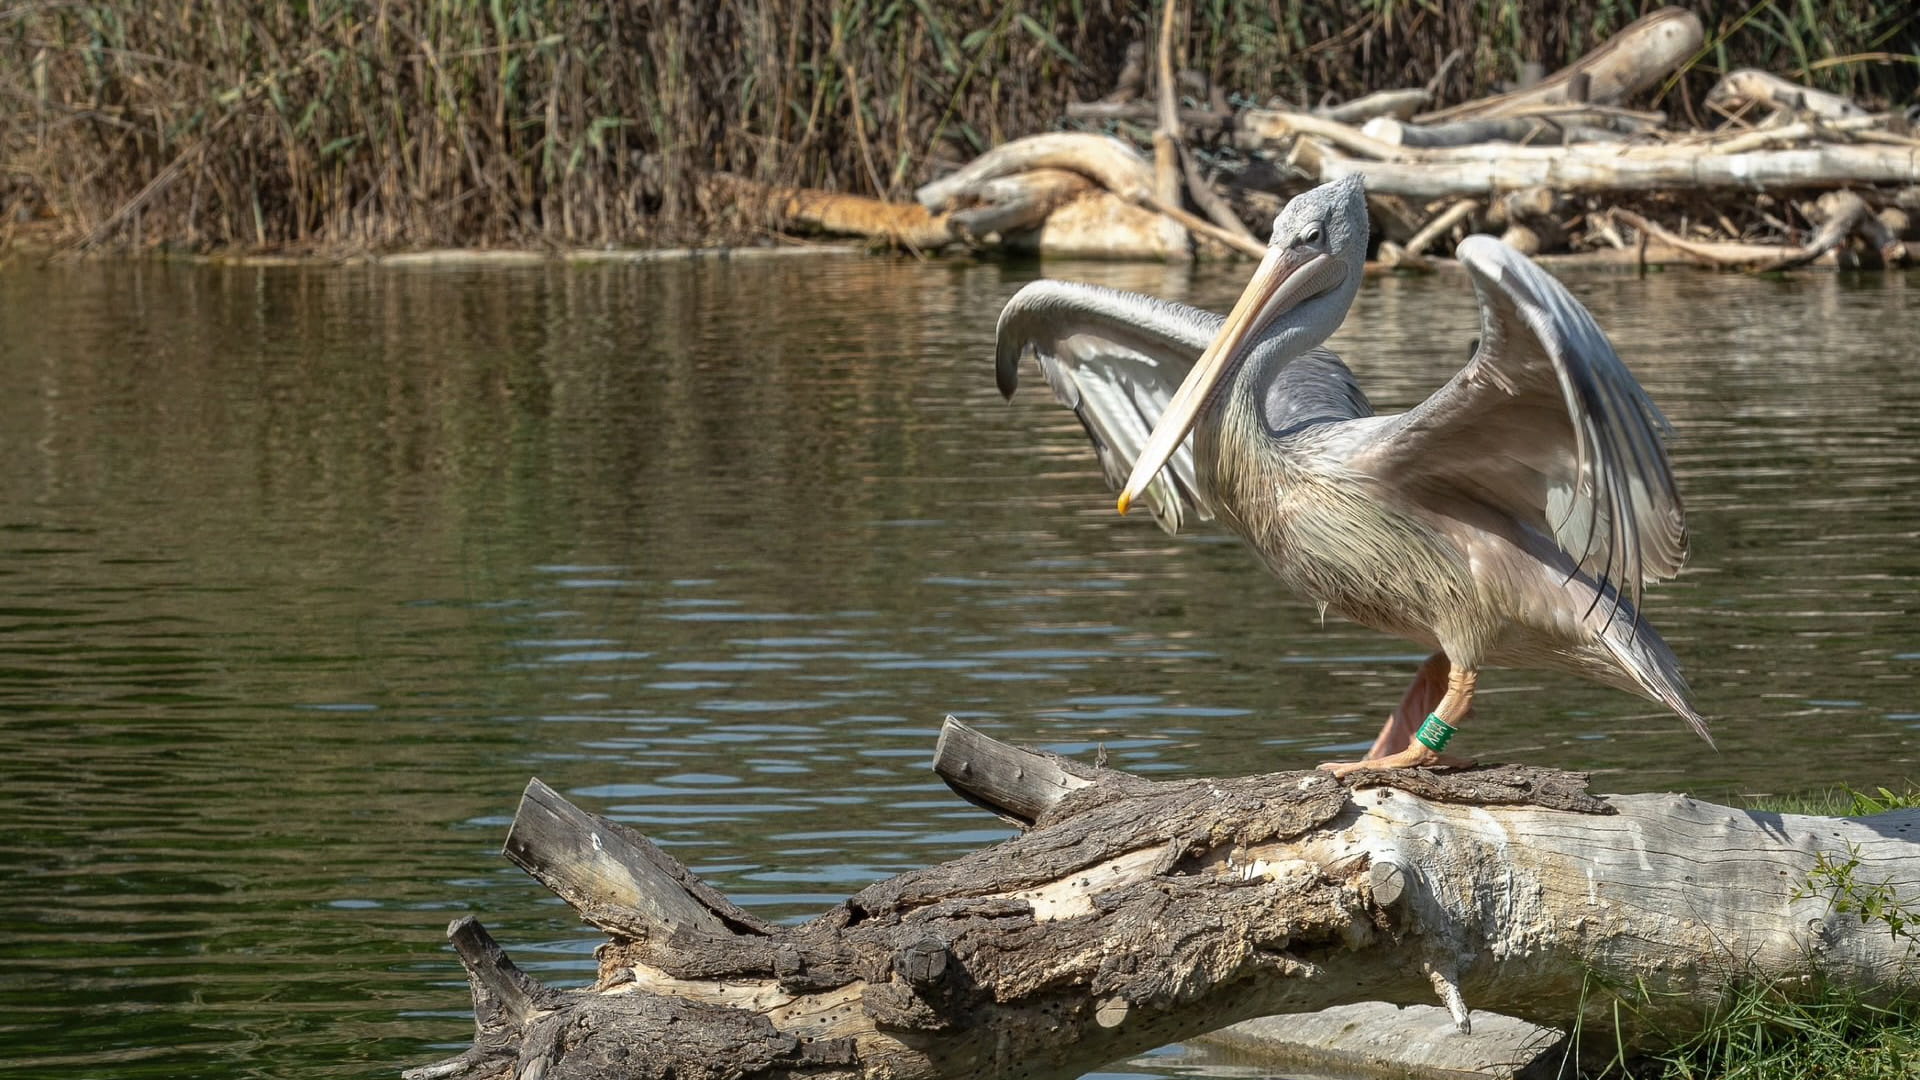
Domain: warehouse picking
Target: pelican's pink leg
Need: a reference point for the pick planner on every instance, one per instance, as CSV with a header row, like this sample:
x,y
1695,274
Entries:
x,y
1423,695
1452,709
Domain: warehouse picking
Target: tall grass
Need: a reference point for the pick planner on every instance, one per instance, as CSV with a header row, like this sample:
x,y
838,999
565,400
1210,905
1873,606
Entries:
x,y
389,123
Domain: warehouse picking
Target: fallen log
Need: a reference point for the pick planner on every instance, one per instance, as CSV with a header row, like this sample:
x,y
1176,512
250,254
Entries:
x,y
1841,215
1134,912
1640,55
1013,203
1106,160
1390,104
1533,130
894,224
1259,127
1590,169
1410,256
1788,135
1748,86
1101,225
1208,199
1660,245
1532,220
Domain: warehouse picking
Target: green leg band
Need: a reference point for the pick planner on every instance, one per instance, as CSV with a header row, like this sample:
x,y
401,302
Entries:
x,y
1435,734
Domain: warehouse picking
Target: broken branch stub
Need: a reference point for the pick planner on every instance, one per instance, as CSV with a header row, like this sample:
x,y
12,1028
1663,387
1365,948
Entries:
x,y
1134,913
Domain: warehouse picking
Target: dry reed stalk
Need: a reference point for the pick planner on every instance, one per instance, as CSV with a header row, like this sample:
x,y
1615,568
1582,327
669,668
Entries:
x,y
339,124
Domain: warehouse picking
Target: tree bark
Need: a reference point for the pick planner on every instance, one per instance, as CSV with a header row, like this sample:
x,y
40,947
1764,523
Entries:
x,y
1134,913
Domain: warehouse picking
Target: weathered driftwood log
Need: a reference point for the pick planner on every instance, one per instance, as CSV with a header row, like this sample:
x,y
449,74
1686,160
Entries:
x,y
1640,55
1410,256
1166,133
895,224
1135,912
1106,160
1258,128
1532,219
1101,225
1209,200
1388,140
1017,208
1840,216
1022,201
1660,245
1759,88
1534,130
1385,104
1791,134
1588,169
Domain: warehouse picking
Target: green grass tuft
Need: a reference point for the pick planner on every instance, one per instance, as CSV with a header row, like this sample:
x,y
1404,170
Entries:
x,y
1780,1030
1838,802
1763,1034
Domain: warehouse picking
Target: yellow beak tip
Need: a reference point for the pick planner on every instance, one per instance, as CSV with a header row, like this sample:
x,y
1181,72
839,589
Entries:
x,y
1125,502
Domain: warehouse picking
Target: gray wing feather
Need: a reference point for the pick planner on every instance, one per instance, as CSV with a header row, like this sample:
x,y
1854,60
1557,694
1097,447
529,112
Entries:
x,y
1313,389
1115,358
1547,424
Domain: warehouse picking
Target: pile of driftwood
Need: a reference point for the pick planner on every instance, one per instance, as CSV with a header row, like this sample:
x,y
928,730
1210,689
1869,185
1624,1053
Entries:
x,y
1785,176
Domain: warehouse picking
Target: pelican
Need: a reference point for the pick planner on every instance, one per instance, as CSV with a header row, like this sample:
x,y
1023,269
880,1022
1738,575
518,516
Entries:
x,y
1510,519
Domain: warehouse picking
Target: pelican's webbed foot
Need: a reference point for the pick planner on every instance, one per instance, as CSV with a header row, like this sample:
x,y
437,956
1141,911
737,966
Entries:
x,y
1415,756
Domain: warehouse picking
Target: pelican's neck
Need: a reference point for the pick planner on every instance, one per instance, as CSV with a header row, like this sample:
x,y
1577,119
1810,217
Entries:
x,y
1239,462
1231,441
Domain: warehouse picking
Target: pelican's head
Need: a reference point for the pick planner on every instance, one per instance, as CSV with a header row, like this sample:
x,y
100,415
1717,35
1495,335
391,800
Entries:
x,y
1310,274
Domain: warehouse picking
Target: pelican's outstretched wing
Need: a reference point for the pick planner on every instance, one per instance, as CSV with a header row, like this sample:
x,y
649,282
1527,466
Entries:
x,y
1546,424
1115,358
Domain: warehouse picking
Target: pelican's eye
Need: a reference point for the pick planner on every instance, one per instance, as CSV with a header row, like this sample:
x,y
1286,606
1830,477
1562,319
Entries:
x,y
1311,235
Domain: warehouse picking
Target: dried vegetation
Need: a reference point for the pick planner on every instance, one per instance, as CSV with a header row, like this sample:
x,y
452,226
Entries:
x,y
336,125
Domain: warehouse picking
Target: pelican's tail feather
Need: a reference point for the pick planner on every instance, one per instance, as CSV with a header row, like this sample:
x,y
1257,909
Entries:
x,y
1647,660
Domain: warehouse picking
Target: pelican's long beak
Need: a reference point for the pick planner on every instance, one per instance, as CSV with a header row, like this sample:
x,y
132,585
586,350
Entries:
x,y
1282,280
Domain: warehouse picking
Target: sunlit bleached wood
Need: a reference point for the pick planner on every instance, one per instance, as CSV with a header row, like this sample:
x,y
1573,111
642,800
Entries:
x,y
1583,169
1395,104
1745,86
1636,58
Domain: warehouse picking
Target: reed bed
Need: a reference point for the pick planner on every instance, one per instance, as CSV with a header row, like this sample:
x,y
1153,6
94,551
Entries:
x,y
365,125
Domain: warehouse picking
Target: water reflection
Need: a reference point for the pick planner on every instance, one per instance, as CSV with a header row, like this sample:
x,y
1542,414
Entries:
x,y
303,572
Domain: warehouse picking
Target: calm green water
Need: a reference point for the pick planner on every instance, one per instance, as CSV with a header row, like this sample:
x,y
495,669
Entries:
x,y
304,572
